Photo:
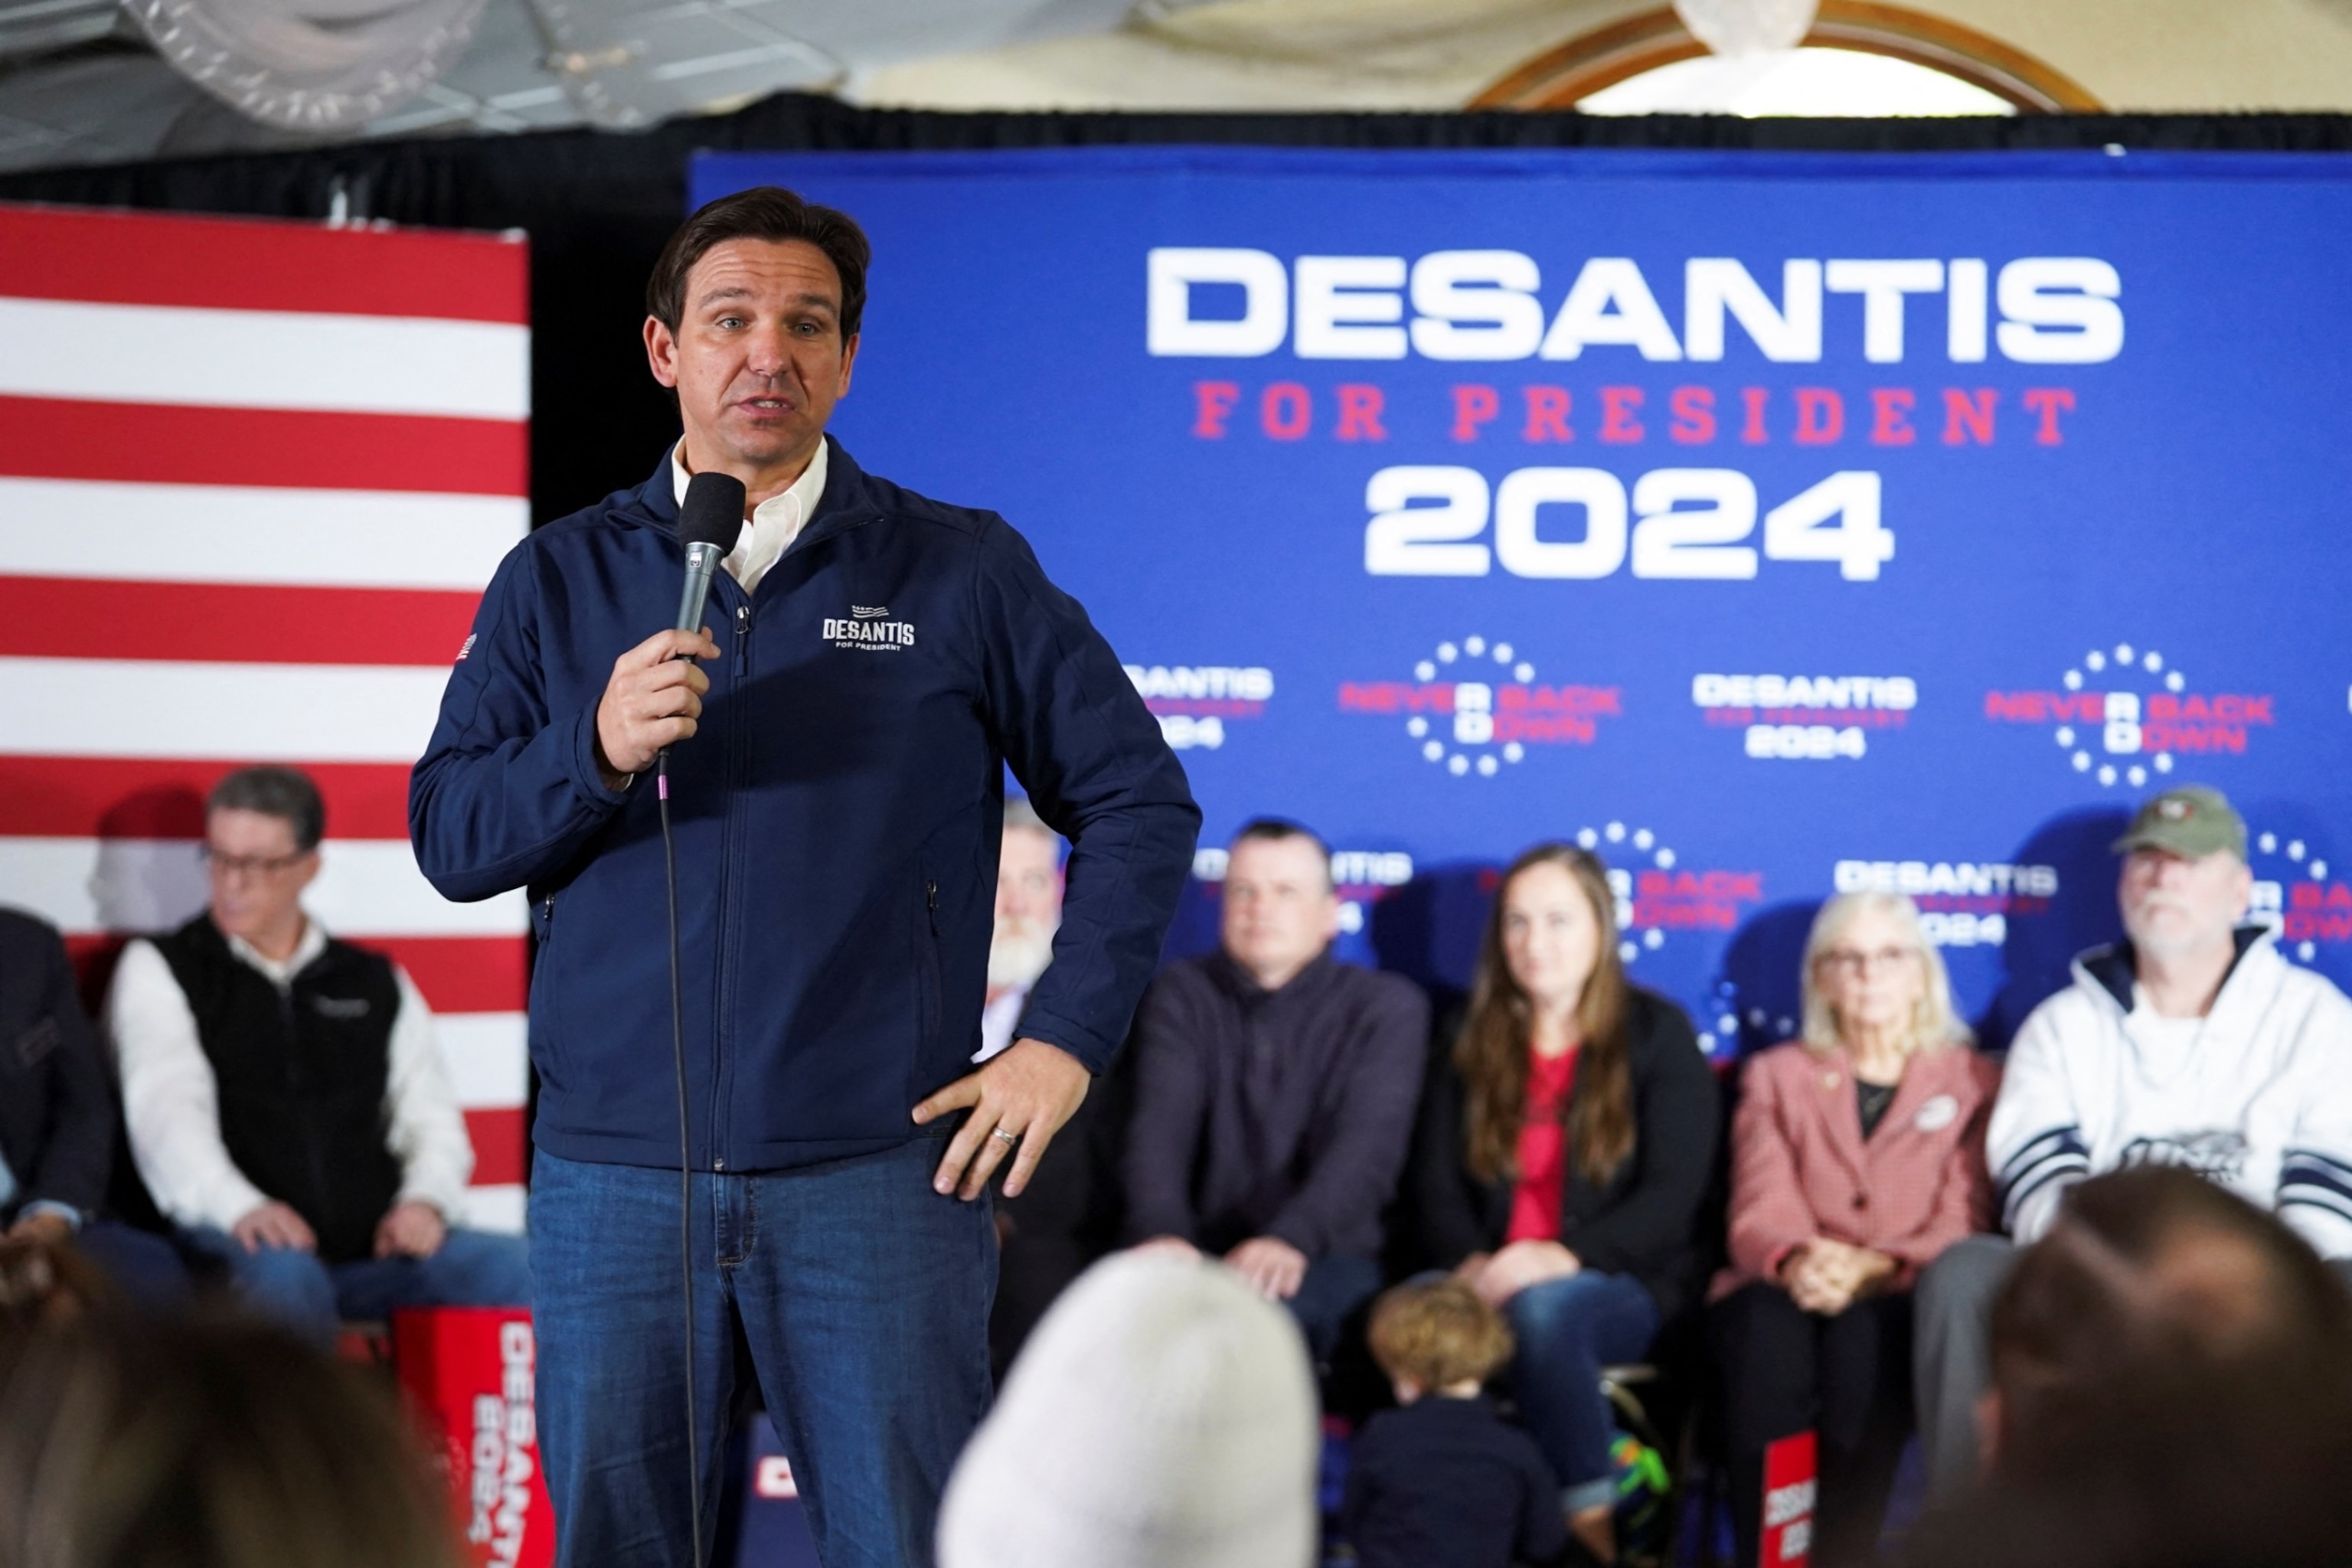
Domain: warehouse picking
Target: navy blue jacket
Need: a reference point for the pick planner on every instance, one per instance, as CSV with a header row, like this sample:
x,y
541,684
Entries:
x,y
1448,1483
836,813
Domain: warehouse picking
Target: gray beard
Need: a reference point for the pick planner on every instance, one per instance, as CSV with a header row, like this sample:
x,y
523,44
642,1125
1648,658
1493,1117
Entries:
x,y
1017,956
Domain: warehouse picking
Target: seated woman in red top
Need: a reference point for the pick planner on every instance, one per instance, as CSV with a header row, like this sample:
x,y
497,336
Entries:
x,y
1857,1156
1565,1145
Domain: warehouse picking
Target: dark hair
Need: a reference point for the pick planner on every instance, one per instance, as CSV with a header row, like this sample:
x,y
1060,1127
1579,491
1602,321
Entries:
x,y
2191,1466
763,212
2148,1270
1436,1333
286,792
208,1443
1278,831
1491,1052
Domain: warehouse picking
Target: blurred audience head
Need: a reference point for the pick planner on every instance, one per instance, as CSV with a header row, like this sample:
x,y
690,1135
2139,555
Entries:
x,y
1435,1335
2185,882
1162,1415
2172,1372
1550,943
2153,1273
195,1442
1871,972
2193,1466
1280,909
262,828
1028,899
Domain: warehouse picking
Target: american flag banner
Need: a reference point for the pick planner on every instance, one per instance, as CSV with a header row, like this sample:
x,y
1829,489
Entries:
x,y
254,477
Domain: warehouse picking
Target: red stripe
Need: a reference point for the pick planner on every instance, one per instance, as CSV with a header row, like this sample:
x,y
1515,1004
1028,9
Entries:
x,y
462,973
456,974
499,1139
259,264
60,438
111,798
66,618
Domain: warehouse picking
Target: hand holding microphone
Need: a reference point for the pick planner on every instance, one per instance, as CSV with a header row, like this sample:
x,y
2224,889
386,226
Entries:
x,y
654,695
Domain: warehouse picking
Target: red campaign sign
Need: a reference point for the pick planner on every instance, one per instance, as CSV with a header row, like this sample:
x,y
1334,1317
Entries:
x,y
1789,1472
469,1372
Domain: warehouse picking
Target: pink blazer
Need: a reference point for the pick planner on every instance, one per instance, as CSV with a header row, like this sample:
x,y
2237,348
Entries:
x,y
1800,1167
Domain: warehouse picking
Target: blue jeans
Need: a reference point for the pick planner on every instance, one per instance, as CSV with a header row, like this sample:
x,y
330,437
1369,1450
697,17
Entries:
x,y
1567,1330
473,1268
860,1296
144,1266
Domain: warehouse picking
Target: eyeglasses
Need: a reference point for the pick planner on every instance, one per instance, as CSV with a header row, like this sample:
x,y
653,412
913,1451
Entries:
x,y
1848,961
251,865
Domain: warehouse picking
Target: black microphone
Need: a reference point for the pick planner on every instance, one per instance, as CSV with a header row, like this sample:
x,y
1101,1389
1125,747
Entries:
x,y
708,521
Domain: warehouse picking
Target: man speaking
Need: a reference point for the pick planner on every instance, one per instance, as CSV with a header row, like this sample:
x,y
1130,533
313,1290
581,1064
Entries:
x,y
871,662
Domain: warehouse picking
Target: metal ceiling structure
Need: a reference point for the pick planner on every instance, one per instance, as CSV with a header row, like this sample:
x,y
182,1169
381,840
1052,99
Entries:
x,y
79,84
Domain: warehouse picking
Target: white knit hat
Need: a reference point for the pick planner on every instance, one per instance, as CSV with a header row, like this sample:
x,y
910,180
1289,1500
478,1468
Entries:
x,y
1161,1416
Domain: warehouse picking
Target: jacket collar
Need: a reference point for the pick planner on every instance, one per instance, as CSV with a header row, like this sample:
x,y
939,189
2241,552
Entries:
x,y
2113,970
1835,1102
1243,987
847,501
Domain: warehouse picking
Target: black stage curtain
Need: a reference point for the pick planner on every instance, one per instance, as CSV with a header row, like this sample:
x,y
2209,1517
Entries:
x,y
598,205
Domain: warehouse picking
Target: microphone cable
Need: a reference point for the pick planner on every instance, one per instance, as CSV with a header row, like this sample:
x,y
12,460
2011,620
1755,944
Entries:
x,y
685,1155
710,519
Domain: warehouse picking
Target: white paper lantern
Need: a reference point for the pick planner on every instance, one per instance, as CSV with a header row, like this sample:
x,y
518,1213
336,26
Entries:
x,y
1741,28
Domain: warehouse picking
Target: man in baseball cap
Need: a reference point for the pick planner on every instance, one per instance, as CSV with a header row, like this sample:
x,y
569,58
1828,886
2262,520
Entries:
x,y
2192,1043
2188,823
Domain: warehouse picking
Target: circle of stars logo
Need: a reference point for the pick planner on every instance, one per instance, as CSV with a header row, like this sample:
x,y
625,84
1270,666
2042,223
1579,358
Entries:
x,y
1463,744
2080,747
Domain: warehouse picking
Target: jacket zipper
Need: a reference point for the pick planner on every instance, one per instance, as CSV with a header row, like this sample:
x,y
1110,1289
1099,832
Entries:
x,y
724,990
931,962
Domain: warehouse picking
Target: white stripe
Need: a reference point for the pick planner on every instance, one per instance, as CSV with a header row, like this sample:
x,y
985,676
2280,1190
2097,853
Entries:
x,y
233,534
264,359
365,888
230,712
496,1208
487,1057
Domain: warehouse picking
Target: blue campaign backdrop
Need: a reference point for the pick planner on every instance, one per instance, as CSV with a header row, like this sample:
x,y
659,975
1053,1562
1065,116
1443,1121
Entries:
x,y
1773,525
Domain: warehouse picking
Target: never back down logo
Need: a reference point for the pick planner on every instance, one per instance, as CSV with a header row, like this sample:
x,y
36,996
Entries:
x,y
1476,706
1658,895
2296,896
2124,716
868,628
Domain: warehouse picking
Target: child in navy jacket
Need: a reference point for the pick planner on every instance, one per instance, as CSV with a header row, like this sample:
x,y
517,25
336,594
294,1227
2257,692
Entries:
x,y
1444,1481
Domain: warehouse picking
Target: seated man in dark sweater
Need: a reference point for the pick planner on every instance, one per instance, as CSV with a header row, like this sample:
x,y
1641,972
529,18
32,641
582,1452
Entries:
x,y
57,1118
1274,1091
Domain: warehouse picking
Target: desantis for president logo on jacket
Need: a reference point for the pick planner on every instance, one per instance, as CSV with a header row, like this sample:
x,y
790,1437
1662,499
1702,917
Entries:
x,y
869,628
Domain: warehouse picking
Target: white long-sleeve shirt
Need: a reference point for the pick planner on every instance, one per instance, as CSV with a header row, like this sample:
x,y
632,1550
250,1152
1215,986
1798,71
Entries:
x,y
2256,1095
171,1102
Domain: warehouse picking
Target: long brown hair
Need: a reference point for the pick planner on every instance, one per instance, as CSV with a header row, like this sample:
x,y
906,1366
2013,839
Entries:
x,y
1491,1052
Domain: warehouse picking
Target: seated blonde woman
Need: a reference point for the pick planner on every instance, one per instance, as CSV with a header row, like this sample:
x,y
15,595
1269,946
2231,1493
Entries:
x,y
1857,1156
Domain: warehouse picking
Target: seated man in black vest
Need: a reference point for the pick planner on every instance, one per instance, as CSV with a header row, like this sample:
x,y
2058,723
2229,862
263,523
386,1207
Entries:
x,y
285,1100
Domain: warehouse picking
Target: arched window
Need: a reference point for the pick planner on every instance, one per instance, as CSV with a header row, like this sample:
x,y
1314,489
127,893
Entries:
x,y
1861,58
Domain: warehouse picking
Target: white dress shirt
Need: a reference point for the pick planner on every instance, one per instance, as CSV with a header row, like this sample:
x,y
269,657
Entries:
x,y
997,1022
774,524
171,1102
